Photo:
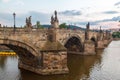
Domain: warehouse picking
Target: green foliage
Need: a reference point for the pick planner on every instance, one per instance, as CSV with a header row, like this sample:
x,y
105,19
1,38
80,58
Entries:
x,y
116,35
24,26
63,25
39,25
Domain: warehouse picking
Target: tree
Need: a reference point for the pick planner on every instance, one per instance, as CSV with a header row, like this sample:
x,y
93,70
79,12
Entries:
x,y
39,25
63,25
116,35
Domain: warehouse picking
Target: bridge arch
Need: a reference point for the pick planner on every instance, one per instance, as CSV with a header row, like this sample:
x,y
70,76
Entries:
x,y
26,53
74,43
94,40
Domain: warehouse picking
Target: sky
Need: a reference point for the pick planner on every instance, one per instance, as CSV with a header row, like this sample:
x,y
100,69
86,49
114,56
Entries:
x,y
104,13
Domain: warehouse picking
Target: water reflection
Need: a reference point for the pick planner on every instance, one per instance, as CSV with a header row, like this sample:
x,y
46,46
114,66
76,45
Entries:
x,y
8,68
2,61
103,66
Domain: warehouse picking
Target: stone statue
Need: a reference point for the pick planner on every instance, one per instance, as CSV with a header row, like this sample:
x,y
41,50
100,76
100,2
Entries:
x,y
56,19
88,26
87,31
30,19
28,22
55,13
52,19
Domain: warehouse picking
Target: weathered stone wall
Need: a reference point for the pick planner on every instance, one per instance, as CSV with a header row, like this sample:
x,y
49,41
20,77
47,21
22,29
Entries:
x,y
55,62
100,44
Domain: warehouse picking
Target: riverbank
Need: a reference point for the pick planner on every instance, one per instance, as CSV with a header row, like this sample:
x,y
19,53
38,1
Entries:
x,y
116,39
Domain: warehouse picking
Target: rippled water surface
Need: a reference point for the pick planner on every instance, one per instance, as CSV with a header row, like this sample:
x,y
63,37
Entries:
x,y
103,66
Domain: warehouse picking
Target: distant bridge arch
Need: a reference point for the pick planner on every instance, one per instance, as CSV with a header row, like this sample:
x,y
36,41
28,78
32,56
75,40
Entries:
x,y
74,43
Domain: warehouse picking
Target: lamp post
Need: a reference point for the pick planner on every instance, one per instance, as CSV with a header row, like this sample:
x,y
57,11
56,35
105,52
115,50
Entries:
x,y
14,21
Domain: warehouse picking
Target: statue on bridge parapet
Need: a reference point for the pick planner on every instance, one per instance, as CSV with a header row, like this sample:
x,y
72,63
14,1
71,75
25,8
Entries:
x,y
100,35
54,20
87,31
28,23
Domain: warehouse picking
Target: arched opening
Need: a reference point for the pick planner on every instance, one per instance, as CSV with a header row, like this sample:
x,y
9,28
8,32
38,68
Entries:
x,y
74,44
94,40
26,54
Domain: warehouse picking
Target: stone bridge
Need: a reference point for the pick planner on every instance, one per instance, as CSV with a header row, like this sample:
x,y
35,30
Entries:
x,y
44,51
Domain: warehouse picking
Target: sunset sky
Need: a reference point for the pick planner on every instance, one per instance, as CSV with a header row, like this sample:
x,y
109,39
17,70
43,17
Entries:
x,y
105,13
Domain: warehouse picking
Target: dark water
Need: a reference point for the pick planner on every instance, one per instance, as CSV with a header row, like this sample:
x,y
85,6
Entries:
x,y
103,66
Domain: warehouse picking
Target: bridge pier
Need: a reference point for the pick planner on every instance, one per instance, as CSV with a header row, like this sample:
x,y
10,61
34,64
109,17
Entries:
x,y
51,62
106,42
54,62
100,45
89,47
54,58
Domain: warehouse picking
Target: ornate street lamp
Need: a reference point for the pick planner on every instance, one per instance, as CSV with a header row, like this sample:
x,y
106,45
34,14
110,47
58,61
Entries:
x,y
14,21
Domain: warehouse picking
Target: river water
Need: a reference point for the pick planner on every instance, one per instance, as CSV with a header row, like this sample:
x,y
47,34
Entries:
x,y
103,66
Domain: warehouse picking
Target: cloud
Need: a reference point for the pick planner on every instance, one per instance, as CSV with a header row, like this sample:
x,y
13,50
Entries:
x,y
7,18
19,2
105,23
110,12
71,13
116,4
109,24
39,16
44,18
6,1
